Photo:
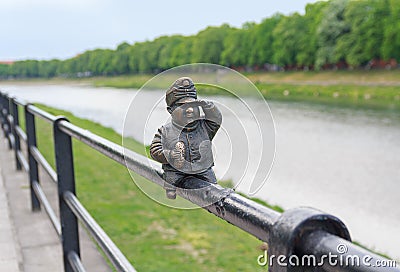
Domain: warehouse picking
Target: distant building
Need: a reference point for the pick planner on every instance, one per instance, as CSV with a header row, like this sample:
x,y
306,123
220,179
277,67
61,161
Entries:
x,y
7,62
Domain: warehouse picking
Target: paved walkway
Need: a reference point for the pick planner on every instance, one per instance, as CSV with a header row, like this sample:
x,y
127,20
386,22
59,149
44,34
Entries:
x,y
28,241
9,257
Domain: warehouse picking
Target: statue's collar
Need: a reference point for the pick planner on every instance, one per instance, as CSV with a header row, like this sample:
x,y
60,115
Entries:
x,y
189,127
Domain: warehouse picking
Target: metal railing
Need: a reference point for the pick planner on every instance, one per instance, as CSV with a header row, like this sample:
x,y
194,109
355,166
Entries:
x,y
295,232
70,209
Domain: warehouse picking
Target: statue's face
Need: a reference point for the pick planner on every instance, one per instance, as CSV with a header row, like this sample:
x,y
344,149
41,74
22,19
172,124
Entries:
x,y
184,114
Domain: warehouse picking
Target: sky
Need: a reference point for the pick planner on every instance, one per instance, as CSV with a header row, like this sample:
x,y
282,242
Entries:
x,y
47,29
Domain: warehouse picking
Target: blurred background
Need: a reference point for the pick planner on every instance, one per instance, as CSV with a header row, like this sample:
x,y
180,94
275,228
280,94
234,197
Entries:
x,y
328,70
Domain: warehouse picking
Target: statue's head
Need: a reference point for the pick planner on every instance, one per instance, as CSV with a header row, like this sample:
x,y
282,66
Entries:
x,y
181,100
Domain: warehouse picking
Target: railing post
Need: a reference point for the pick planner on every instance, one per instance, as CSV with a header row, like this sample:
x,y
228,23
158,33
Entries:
x,y
6,112
33,166
17,143
66,183
2,108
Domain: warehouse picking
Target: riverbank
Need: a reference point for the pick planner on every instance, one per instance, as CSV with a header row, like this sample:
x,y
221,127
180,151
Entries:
x,y
367,89
376,89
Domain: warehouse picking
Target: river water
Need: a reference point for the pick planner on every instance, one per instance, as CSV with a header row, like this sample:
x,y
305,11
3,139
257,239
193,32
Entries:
x,y
343,161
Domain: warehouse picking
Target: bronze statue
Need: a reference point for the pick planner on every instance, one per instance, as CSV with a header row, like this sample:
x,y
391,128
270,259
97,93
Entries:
x,y
183,146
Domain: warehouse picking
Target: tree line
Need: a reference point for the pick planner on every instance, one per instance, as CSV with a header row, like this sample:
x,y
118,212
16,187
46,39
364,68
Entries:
x,y
331,34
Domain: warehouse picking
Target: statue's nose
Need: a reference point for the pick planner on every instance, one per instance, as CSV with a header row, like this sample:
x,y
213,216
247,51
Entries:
x,y
189,110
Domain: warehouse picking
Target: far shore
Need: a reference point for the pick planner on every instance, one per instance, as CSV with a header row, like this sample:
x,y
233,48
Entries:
x,y
377,89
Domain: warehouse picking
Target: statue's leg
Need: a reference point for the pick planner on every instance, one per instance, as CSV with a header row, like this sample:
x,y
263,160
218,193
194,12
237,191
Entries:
x,y
208,176
172,180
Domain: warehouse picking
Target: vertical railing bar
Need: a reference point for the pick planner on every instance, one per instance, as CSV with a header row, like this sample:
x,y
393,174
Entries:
x,y
30,128
66,182
9,127
2,109
14,125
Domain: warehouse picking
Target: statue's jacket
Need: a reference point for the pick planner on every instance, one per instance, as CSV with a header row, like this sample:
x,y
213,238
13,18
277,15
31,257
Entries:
x,y
193,140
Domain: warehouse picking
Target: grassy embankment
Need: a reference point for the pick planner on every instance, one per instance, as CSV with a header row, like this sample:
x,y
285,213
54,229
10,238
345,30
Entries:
x,y
370,89
152,236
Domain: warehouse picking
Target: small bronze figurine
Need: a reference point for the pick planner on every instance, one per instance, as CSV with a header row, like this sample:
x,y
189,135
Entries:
x,y
183,146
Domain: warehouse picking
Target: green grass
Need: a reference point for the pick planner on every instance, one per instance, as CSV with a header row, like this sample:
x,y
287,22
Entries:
x,y
152,236
359,77
380,97
136,81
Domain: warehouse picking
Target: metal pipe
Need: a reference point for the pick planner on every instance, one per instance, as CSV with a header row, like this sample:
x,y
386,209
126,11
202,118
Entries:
x,y
344,256
43,162
107,245
41,113
20,102
23,161
11,140
75,262
10,119
136,162
49,210
21,133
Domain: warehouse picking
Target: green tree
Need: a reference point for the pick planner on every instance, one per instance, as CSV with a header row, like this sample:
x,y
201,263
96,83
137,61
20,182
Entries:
x,y
332,27
391,32
209,44
182,52
287,37
5,70
48,68
165,58
236,45
261,51
120,59
364,40
308,41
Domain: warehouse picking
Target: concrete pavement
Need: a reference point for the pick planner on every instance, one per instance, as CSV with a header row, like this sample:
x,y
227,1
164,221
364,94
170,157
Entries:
x,y
28,241
10,260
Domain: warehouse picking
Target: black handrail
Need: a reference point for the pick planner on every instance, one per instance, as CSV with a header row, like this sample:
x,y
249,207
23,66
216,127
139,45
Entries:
x,y
298,231
43,162
70,207
108,247
49,210
75,262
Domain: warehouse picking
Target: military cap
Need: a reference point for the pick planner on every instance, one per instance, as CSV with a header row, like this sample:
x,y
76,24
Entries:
x,y
182,88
